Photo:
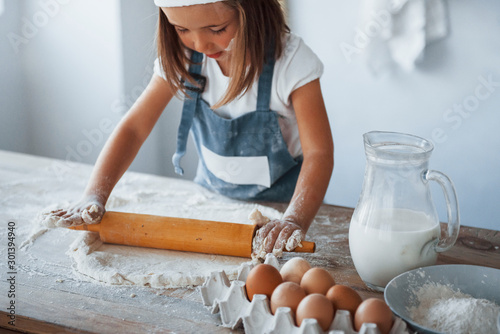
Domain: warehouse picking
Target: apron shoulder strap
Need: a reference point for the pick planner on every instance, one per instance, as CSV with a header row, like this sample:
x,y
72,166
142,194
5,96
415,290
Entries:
x,y
265,82
193,91
195,72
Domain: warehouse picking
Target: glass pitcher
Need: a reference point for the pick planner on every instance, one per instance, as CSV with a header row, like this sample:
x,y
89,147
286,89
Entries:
x,y
395,226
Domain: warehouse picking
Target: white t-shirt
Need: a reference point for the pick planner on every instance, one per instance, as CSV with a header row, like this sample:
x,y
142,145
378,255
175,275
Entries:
x,y
297,66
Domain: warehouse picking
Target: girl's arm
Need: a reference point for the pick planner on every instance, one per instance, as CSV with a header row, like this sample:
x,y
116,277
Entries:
x,y
317,146
117,155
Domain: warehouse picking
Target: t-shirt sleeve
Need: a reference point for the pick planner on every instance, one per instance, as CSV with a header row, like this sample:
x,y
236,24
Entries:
x,y
297,66
157,69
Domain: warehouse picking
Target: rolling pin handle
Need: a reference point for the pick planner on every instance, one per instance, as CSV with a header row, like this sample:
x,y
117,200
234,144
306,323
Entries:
x,y
307,247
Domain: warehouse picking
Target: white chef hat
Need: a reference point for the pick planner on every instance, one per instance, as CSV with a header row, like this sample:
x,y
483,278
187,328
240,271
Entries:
x,y
182,3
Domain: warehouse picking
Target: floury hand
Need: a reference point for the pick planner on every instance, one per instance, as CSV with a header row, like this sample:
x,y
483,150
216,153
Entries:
x,y
89,210
274,236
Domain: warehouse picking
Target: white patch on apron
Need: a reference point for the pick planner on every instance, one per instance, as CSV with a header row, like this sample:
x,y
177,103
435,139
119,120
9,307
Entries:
x,y
238,170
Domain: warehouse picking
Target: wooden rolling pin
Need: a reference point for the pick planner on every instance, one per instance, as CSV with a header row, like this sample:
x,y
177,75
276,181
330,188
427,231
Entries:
x,y
182,234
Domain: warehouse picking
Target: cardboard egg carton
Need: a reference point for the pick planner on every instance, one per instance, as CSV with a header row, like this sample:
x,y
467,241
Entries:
x,y
230,299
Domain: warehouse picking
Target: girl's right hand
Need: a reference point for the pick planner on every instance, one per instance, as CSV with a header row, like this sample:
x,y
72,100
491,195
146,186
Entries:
x,y
89,210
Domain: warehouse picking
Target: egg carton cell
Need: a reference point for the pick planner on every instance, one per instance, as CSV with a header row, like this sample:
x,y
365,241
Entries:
x,y
230,299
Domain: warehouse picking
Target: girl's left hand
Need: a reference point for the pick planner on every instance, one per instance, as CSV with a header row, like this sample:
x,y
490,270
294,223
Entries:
x,y
276,236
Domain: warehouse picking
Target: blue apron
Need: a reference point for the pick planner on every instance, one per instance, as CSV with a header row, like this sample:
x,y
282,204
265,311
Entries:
x,y
245,157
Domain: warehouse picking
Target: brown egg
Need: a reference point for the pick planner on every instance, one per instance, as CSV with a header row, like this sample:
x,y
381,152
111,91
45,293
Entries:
x,y
317,280
316,306
374,310
262,279
287,294
294,269
344,298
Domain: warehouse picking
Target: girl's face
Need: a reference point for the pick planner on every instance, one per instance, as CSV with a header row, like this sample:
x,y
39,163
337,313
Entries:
x,y
207,28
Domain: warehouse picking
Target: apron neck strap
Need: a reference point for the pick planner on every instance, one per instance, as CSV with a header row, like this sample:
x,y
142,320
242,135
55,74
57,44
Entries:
x,y
195,72
193,91
266,81
196,59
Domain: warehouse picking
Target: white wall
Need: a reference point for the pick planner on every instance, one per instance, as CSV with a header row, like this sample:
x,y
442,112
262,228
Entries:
x,y
13,106
68,56
468,148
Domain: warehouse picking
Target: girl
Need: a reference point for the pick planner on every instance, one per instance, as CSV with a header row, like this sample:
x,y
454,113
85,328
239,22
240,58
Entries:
x,y
253,103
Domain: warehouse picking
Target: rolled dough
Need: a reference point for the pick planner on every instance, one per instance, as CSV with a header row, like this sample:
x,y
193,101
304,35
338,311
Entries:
x,y
125,265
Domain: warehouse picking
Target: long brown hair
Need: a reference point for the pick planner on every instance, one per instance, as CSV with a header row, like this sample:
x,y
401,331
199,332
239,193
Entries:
x,y
262,26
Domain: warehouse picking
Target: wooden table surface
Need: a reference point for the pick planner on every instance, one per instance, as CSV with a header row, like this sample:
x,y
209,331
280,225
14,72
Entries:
x,y
45,307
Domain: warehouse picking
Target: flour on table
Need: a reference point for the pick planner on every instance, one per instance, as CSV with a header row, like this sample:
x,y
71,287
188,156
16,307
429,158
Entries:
x,y
42,251
128,265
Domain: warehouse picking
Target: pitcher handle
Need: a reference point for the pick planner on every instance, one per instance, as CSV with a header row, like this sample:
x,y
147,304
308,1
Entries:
x,y
452,209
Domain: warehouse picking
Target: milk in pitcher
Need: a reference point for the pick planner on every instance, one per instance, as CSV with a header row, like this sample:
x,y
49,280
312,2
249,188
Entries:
x,y
395,241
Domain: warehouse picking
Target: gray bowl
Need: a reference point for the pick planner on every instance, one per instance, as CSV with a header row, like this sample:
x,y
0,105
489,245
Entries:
x,y
479,282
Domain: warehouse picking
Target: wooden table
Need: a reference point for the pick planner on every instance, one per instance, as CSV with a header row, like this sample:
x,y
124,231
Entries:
x,y
43,306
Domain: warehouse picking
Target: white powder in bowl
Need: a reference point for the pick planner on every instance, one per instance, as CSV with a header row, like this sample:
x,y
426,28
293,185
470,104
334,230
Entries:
x,y
443,309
